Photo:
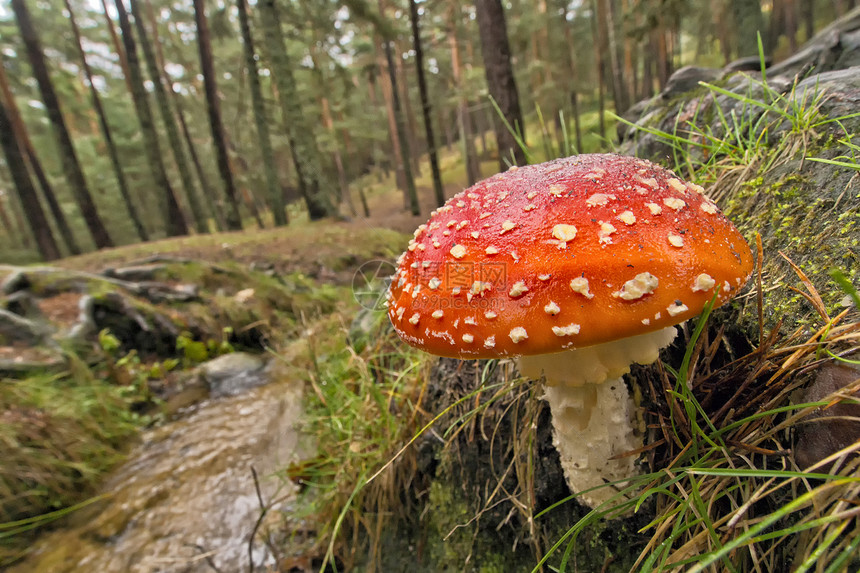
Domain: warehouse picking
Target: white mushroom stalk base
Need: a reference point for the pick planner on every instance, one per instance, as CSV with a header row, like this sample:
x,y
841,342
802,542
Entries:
x,y
593,415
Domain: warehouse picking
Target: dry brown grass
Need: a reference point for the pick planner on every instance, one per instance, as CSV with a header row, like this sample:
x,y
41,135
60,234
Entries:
x,y
730,495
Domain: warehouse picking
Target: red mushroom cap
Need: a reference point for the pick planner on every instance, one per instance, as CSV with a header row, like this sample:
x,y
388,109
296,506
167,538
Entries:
x,y
564,254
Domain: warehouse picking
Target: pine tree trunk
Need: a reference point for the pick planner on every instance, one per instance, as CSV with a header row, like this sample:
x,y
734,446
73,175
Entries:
x,y
807,14
258,105
467,138
328,123
500,79
539,41
314,183
396,148
117,46
106,133
411,193
216,201
619,93
19,132
443,119
155,76
438,189
13,236
409,122
749,22
172,215
375,152
26,193
234,221
71,165
26,235
599,67
211,205
629,76
571,76
348,149
662,53
722,17
791,10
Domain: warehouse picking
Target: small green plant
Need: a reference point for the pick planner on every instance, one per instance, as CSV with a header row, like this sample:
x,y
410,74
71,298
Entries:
x,y
196,351
849,160
131,375
193,351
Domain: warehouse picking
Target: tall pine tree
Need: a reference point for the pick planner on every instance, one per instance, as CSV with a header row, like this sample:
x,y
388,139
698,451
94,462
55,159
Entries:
x,y
71,165
140,230
173,218
313,182
258,104
500,79
198,211
26,193
219,137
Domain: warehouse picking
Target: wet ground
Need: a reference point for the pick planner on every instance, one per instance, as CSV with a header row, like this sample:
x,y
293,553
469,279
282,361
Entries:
x,y
186,501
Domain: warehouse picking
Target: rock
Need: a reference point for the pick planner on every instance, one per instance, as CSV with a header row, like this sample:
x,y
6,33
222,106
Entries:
x,y
261,266
833,48
836,47
829,429
26,368
161,292
244,295
636,114
85,327
137,325
687,79
773,184
15,328
15,281
190,291
48,281
747,64
135,272
234,373
23,304
840,91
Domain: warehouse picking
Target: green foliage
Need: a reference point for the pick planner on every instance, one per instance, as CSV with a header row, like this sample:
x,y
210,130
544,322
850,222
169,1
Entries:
x,y
195,351
109,343
845,286
762,128
363,408
332,49
58,436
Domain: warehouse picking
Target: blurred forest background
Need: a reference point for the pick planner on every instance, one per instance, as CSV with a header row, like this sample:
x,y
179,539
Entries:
x,y
125,122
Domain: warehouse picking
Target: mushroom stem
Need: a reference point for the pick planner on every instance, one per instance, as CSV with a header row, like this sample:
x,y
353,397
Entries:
x,y
591,425
593,416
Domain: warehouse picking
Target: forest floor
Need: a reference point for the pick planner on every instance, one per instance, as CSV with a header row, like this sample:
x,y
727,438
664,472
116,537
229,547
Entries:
x,y
367,395
289,249
303,258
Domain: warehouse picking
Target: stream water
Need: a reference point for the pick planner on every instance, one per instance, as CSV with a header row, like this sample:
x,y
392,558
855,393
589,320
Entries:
x,y
185,501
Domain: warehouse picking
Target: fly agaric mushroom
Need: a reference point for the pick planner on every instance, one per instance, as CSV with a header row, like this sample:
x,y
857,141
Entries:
x,y
577,267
